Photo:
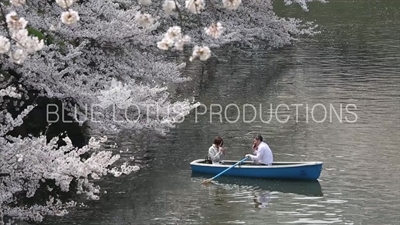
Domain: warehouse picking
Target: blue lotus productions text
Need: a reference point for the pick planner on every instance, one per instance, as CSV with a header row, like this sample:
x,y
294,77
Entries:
x,y
282,113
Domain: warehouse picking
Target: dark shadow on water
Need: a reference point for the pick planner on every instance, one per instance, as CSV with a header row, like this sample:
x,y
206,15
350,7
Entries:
x,y
307,188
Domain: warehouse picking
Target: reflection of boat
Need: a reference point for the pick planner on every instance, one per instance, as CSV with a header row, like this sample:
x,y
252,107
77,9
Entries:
x,y
308,188
278,170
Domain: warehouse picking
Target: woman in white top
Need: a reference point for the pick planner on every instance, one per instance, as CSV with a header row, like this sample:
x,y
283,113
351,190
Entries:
x,y
216,151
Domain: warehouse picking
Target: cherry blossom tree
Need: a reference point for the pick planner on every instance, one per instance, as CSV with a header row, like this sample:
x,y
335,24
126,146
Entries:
x,y
106,61
28,164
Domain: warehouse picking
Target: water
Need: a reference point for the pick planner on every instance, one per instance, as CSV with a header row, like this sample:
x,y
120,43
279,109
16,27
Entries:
x,y
355,61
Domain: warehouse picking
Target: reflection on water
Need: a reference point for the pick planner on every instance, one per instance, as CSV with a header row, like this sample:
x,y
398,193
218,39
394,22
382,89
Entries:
x,y
253,199
307,188
354,61
261,192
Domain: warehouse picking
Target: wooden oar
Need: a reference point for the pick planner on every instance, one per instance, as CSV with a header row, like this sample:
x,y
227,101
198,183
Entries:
x,y
209,180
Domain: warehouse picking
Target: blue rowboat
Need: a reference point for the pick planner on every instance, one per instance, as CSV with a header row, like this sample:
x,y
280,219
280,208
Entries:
x,y
278,170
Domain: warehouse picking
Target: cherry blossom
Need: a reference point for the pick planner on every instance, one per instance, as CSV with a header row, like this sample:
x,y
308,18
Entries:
x,y
215,30
203,53
195,6
145,19
14,22
17,3
65,3
231,4
169,6
69,17
4,44
145,2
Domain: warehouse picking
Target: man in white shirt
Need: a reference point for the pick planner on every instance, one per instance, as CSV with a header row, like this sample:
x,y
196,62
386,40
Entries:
x,y
263,154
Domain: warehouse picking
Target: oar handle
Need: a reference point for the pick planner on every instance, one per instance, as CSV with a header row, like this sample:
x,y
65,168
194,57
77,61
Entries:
x,y
229,168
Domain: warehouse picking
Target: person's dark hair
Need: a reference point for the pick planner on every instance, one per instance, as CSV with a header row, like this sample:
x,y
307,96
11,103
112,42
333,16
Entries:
x,y
258,137
218,140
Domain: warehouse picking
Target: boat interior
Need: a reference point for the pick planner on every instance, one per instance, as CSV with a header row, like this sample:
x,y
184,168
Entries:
x,y
231,162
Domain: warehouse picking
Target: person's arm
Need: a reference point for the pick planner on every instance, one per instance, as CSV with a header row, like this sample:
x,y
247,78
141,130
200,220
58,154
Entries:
x,y
214,156
259,156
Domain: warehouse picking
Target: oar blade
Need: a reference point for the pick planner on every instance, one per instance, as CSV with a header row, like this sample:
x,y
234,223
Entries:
x,y
206,181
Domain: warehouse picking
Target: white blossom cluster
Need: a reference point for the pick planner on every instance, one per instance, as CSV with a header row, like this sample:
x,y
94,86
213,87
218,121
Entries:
x,y
18,33
195,6
144,19
203,53
144,107
173,37
215,30
10,123
30,161
68,17
10,91
147,20
170,6
302,3
231,4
